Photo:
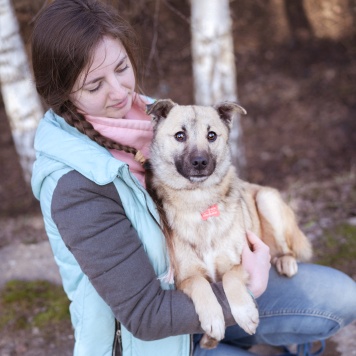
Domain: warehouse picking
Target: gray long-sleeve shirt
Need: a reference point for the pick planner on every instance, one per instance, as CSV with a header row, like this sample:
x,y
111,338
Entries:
x,y
93,225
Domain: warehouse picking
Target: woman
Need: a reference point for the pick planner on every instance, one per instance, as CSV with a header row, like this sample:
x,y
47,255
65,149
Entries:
x,y
103,226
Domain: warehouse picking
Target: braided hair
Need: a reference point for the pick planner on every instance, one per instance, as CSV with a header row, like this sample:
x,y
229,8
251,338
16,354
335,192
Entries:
x,y
78,121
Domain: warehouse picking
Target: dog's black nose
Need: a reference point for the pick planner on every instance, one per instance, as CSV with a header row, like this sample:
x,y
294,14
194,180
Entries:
x,y
199,162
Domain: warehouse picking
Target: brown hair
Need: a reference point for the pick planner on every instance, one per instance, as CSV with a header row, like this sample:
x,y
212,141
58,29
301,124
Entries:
x,y
64,38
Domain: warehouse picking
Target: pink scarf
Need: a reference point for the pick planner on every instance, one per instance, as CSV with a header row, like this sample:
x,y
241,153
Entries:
x,y
134,130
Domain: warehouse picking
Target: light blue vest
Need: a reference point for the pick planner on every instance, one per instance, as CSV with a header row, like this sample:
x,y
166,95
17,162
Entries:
x,y
93,320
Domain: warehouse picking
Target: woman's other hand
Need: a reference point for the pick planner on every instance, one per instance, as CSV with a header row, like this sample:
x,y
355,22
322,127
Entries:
x,y
256,260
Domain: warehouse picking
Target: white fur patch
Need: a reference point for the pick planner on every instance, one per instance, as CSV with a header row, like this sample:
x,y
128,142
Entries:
x,y
209,260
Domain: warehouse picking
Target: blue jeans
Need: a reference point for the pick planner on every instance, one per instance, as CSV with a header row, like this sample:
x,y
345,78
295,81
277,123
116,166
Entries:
x,y
312,305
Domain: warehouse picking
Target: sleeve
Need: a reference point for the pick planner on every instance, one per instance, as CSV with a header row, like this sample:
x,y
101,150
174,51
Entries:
x,y
92,222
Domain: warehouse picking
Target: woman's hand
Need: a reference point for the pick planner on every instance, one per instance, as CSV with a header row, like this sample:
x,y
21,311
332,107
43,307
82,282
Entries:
x,y
257,262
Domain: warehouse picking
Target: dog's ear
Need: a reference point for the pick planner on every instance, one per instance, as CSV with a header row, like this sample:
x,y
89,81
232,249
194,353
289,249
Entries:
x,y
227,111
160,108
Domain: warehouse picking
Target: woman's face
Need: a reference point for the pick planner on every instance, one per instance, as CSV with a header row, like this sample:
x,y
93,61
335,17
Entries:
x,y
108,88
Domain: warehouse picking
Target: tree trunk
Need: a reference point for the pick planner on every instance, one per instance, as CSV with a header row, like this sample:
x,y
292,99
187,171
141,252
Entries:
x,y
332,19
22,105
214,63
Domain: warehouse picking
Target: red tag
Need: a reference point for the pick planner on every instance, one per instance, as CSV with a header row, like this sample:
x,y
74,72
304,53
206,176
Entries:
x,y
212,211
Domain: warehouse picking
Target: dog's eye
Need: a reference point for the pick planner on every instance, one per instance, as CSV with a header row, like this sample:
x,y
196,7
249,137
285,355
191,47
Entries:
x,y
212,136
180,136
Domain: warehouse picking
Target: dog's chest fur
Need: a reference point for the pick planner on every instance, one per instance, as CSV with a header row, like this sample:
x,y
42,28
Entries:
x,y
212,244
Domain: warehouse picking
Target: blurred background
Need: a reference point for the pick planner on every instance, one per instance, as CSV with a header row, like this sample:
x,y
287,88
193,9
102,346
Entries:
x,y
296,77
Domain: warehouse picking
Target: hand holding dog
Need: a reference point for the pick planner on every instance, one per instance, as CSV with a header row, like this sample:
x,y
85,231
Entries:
x,y
257,262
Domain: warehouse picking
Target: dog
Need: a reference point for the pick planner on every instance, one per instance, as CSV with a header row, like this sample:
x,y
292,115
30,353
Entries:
x,y
206,210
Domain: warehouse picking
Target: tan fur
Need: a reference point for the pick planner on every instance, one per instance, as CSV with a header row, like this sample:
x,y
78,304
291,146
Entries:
x,y
189,176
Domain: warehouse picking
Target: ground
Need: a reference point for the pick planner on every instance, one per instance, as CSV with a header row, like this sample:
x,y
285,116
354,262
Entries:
x,y
299,136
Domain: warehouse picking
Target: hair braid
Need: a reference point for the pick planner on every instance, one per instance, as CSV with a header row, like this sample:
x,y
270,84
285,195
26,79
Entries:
x,y
78,121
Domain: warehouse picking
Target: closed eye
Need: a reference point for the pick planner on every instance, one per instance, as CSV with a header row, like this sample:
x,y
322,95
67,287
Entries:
x,y
121,70
94,89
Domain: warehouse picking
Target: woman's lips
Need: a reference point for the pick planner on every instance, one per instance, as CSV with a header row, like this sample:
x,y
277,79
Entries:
x,y
121,104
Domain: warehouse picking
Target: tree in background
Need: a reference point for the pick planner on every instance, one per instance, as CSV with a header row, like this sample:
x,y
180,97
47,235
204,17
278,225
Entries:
x,y
22,104
332,19
214,63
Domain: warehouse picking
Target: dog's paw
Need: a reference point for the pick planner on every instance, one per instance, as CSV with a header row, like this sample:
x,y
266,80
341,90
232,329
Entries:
x,y
286,265
208,342
246,316
213,323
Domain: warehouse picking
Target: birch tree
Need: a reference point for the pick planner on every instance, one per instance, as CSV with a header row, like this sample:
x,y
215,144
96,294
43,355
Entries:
x,y
214,67
22,105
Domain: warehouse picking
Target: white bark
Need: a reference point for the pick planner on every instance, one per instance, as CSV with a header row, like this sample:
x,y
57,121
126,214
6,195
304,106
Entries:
x,y
22,104
214,63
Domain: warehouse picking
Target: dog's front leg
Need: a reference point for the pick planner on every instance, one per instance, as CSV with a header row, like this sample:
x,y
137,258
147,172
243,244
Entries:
x,y
209,310
242,305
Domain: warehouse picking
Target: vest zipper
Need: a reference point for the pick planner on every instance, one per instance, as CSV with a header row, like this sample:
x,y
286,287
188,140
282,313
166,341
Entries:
x,y
191,345
117,347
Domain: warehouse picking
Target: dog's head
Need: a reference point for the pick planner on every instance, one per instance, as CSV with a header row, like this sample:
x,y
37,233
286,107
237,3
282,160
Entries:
x,y
190,144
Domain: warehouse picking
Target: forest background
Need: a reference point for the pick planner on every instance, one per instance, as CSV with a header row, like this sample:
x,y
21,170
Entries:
x,y
296,77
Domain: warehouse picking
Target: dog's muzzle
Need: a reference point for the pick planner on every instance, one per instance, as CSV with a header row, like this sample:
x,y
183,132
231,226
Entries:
x,y
196,166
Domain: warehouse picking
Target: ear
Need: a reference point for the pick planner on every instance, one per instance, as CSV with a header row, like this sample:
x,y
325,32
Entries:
x,y
227,110
160,109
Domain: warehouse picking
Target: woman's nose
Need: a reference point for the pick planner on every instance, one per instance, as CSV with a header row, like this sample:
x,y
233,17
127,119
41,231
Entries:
x,y
116,88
